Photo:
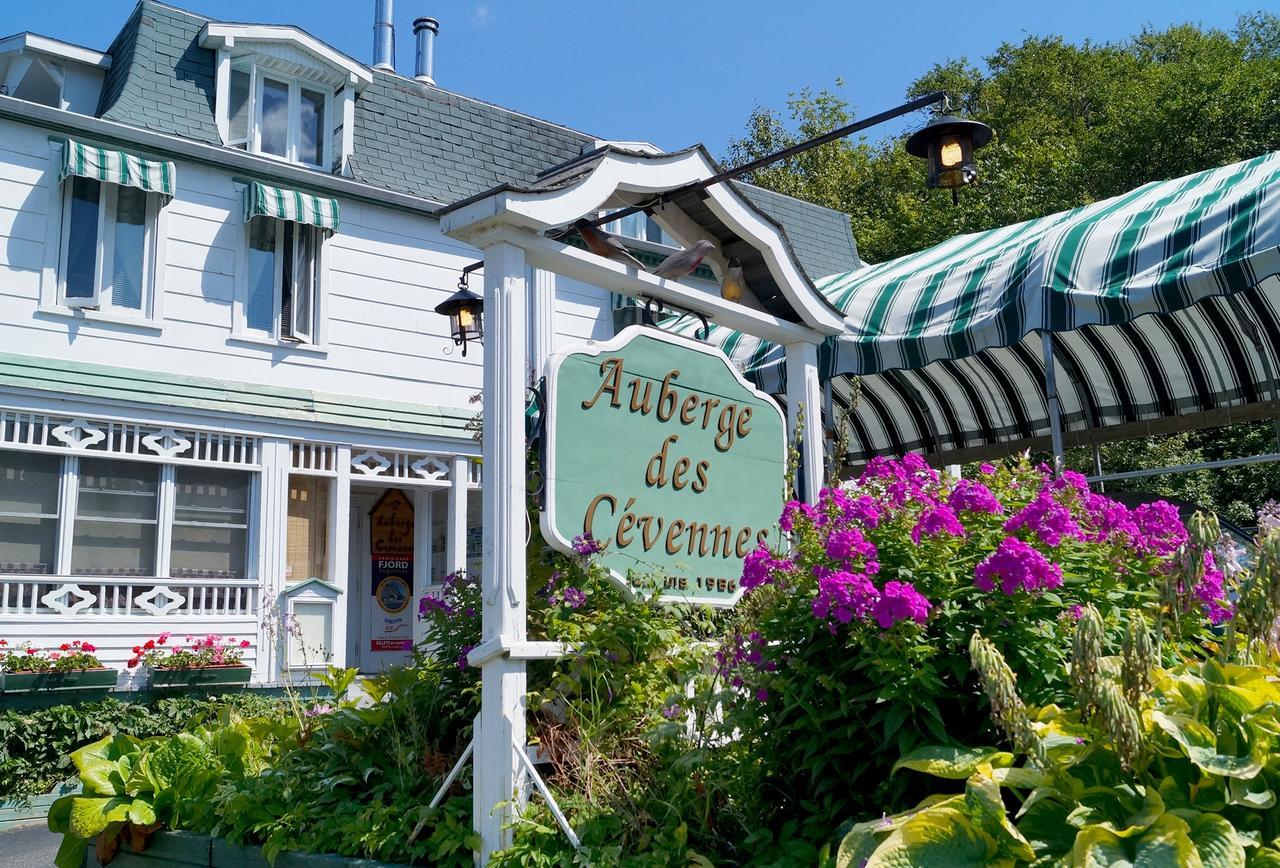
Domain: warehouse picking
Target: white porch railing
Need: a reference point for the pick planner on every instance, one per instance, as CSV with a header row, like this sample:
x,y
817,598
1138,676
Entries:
x,y
127,595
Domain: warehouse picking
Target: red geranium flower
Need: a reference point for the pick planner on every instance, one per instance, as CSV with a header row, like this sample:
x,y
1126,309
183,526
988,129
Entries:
x,y
244,643
87,648
150,644
64,647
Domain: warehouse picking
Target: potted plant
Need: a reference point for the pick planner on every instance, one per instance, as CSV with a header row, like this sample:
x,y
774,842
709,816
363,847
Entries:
x,y
71,666
202,661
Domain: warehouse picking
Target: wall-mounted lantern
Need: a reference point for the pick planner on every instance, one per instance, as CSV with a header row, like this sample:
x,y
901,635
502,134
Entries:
x,y
465,311
948,143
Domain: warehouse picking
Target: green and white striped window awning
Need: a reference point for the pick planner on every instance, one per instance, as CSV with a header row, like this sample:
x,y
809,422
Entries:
x,y
117,167
263,200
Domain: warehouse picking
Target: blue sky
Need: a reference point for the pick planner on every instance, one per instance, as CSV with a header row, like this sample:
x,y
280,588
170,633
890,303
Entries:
x,y
673,72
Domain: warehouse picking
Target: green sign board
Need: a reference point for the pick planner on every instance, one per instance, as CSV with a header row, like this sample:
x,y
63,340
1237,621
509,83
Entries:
x,y
659,449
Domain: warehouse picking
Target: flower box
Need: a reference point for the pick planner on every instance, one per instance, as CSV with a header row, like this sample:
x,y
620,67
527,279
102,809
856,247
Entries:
x,y
200,676
169,848
76,679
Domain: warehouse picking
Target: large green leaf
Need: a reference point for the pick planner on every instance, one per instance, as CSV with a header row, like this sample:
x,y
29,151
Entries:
x,y
1120,810
953,763
1044,825
176,757
1243,689
1096,847
1201,746
1265,858
1166,844
982,798
863,838
71,852
940,837
1253,793
60,814
91,814
1216,841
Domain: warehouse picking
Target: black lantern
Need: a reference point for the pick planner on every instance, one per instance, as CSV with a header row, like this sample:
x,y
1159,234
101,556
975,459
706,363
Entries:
x,y
465,311
948,143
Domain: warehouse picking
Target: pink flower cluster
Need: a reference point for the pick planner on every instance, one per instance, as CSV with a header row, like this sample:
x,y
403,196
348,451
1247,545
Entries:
x,y
1209,591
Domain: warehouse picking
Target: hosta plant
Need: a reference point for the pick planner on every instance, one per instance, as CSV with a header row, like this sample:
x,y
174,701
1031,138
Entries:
x,y
1150,766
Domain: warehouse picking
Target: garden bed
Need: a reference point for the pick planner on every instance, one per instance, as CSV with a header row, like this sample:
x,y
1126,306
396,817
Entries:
x,y
187,849
17,812
78,679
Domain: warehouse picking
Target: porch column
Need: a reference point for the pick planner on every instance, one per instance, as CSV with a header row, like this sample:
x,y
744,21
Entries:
x,y
273,535
422,556
1052,401
340,551
804,389
501,730
455,545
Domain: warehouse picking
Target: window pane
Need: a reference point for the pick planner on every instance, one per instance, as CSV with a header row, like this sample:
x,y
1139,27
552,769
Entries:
x,y
633,225
274,127
304,286
238,109
307,549
115,527
210,526
130,246
82,238
28,511
311,128
286,278
261,296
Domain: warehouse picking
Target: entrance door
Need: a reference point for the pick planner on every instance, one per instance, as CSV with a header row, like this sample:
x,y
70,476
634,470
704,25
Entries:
x,y
382,577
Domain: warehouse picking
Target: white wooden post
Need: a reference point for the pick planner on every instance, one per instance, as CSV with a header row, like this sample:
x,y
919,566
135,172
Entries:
x,y
542,321
455,539
340,552
803,388
422,556
273,533
502,710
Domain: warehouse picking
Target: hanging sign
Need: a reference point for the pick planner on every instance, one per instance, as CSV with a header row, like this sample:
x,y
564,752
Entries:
x,y
391,549
659,449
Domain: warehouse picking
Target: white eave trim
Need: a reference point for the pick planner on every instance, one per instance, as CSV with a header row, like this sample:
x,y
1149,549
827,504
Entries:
x,y
54,48
216,35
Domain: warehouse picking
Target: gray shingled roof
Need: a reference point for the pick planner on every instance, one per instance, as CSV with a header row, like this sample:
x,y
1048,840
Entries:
x,y
409,137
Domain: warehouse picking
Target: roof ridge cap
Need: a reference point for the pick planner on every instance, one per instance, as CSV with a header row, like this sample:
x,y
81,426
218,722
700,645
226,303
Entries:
x,y
173,8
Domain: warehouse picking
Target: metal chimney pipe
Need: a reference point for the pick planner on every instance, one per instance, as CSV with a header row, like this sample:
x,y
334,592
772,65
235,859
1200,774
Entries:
x,y
425,30
384,36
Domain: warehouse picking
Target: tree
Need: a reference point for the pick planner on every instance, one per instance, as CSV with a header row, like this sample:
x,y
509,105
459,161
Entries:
x,y
1073,124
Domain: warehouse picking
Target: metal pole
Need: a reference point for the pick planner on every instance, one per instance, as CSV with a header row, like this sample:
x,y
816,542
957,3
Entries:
x,y
1097,466
1052,401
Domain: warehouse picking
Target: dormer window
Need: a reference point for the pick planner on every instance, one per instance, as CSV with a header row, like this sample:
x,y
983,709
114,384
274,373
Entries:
x,y
283,117
284,94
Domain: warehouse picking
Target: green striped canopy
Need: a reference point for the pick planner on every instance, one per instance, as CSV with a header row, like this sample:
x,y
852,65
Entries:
x,y
1164,301
117,167
263,200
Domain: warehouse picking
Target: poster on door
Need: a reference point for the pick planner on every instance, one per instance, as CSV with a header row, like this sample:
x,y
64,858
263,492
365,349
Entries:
x,y
391,548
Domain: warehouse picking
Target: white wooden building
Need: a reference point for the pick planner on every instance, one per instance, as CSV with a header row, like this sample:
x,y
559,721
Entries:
x,y
220,250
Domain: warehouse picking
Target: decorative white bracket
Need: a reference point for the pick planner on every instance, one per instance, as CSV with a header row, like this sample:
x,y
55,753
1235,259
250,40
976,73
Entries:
x,y
56,599
430,467
370,463
79,434
166,442
152,602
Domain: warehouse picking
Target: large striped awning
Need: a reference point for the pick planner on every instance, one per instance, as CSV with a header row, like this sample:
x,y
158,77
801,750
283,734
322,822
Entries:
x,y
117,167
264,200
1164,304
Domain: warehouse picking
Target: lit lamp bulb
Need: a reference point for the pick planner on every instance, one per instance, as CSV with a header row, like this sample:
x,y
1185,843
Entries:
x,y
948,143
952,153
465,319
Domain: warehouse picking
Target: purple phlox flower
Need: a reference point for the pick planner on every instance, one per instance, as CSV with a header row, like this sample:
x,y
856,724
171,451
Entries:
x,y
849,543
462,656
1070,479
431,603
1209,591
986,468
1046,518
795,509
842,596
1017,566
1077,611
1159,528
909,478
1111,520
762,695
760,567
936,520
970,496
1268,517
671,712
900,601
586,545
318,709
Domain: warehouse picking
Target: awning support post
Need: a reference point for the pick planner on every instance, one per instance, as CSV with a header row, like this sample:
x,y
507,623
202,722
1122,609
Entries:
x,y
804,391
1052,400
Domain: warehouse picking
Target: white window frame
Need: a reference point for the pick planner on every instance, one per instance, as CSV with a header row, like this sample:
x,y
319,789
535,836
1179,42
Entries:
x,y
53,301
286,335
166,503
253,144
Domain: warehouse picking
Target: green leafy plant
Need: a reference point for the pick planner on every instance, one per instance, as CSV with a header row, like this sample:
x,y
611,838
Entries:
x,y
198,652
67,657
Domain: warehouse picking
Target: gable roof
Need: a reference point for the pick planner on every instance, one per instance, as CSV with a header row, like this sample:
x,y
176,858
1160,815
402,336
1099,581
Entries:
x,y
410,137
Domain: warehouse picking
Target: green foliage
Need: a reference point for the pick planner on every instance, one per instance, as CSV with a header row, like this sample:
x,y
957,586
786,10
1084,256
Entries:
x,y
1200,792
35,746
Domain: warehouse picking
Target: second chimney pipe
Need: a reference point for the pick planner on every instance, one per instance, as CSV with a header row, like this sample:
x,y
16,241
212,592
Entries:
x,y
425,30
384,37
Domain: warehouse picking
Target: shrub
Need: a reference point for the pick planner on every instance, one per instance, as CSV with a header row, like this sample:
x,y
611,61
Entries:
x,y
849,649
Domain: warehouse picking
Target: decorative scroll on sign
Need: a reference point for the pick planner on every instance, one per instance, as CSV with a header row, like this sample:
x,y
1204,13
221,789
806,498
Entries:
x,y
659,449
391,548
